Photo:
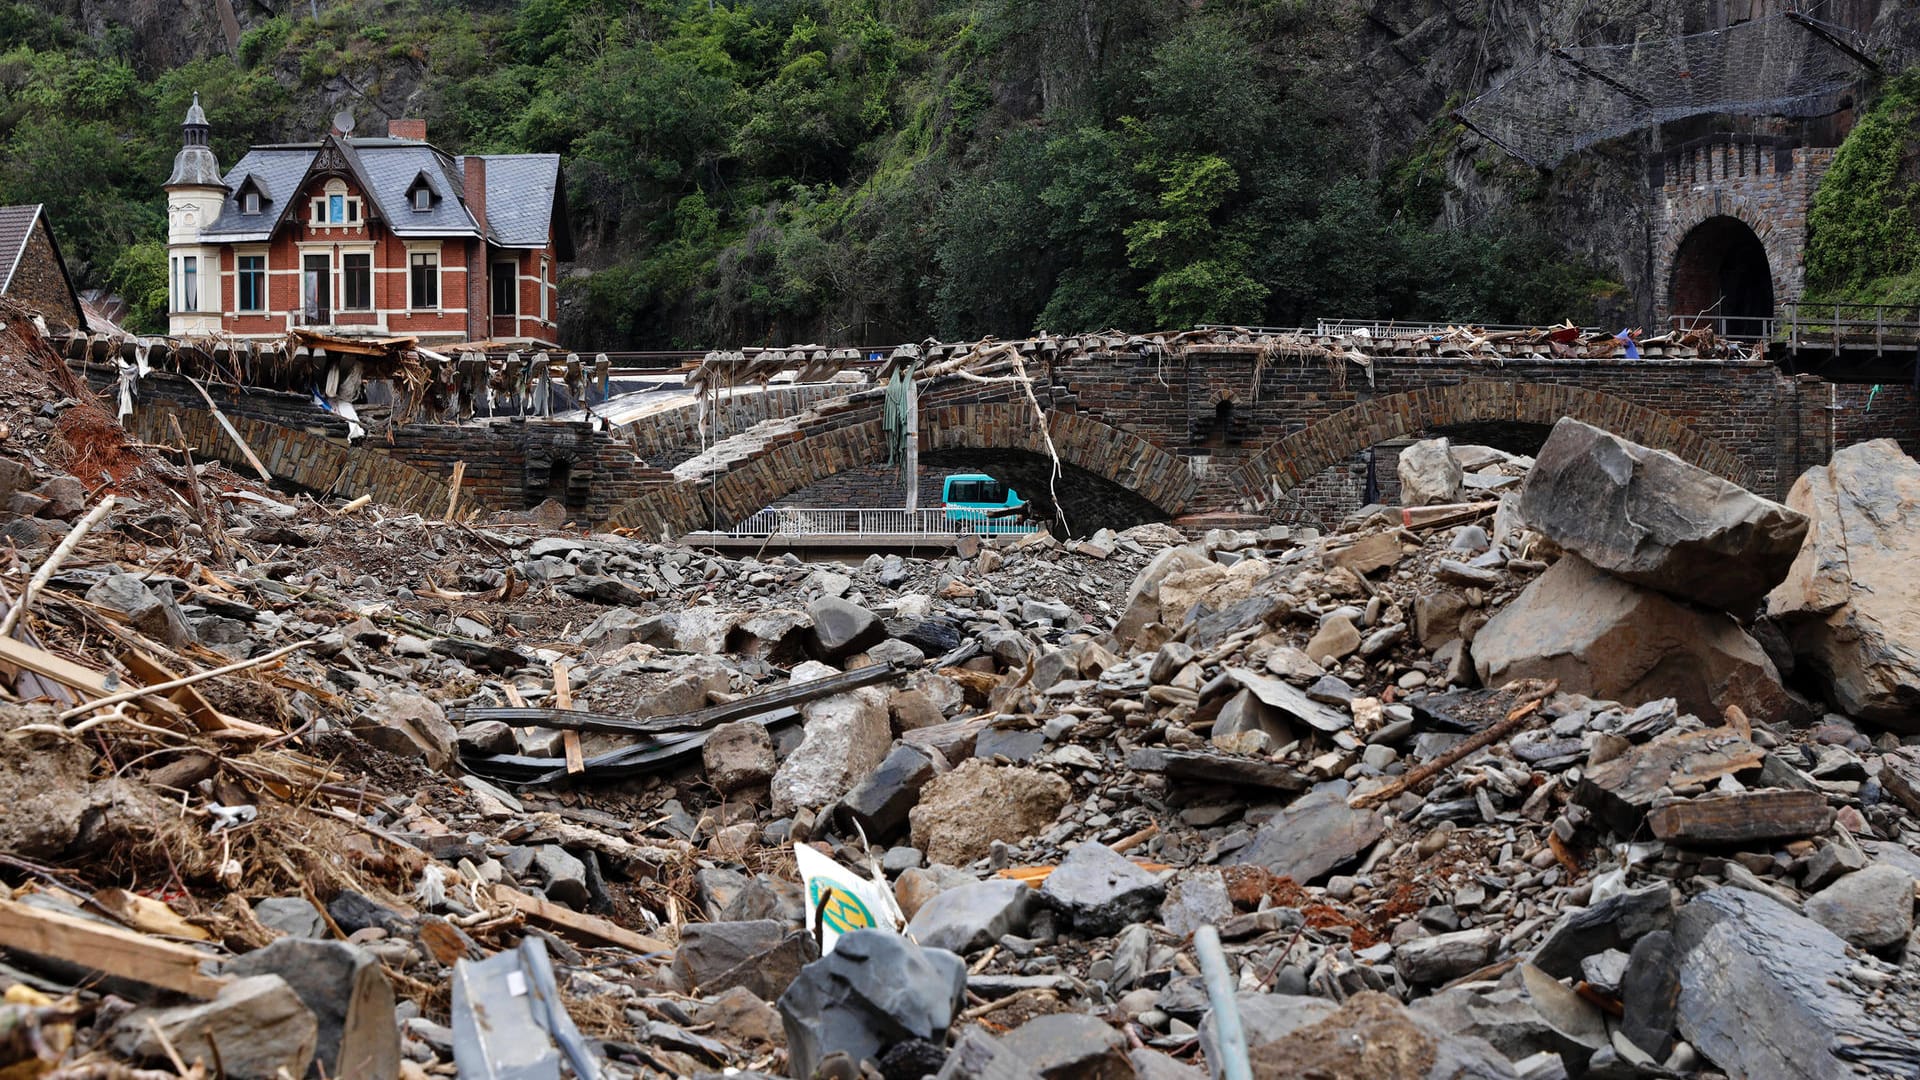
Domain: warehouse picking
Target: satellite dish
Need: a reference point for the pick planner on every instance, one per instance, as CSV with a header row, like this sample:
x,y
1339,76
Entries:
x,y
343,121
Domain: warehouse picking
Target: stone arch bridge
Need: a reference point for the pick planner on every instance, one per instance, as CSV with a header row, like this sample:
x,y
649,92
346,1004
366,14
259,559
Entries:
x,y
1224,427
1143,431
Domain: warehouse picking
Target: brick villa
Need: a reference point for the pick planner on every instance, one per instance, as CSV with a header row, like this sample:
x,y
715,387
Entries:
x,y
375,236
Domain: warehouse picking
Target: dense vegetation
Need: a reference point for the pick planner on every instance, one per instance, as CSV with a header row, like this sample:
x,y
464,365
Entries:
x,y
1862,226
830,170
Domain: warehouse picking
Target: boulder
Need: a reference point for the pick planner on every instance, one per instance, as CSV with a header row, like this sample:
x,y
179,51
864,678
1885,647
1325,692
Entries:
x,y
1647,517
738,755
841,628
1850,604
410,725
347,991
1430,960
1373,1035
875,990
846,737
1765,991
961,813
972,916
1070,1046
1099,890
1429,474
263,1029
1872,908
1606,638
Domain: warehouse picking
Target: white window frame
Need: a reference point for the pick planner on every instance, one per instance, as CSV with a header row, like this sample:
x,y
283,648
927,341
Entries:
x,y
250,202
373,277
320,207
266,278
439,279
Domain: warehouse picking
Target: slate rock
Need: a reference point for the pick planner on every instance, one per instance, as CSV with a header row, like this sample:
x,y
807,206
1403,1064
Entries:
x,y
347,991
973,916
875,990
759,954
66,497
1429,961
1070,1046
880,802
841,628
933,637
486,737
261,1026
1647,517
1850,603
293,915
563,877
1100,891
1614,923
1610,639
1871,908
1650,992
352,911
410,725
1196,898
1764,992
1315,834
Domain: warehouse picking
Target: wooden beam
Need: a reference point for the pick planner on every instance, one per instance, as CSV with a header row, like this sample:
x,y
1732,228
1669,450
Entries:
x,y
232,432
107,949
578,925
563,699
197,707
91,683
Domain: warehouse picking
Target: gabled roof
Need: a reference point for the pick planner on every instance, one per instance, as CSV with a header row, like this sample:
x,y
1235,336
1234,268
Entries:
x,y
16,231
525,199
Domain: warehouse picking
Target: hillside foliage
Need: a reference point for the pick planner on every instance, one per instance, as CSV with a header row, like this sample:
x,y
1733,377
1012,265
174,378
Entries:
x,y
840,171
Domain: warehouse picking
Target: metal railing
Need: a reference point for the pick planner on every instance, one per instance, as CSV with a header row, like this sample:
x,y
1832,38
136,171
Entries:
x,y
1851,325
849,521
1732,327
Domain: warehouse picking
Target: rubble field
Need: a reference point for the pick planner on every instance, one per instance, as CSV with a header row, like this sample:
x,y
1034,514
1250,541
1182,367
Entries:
x,y
1588,765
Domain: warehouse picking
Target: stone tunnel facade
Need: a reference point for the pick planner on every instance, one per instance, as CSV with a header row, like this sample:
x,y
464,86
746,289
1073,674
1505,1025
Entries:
x,y
1717,206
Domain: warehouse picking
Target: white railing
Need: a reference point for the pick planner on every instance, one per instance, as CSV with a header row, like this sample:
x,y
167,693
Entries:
x,y
850,521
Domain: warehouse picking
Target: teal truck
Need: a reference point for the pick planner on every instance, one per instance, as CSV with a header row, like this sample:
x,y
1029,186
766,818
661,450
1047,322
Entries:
x,y
983,504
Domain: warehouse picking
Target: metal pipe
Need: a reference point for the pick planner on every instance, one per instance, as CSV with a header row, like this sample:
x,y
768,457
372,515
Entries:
x,y
1229,1038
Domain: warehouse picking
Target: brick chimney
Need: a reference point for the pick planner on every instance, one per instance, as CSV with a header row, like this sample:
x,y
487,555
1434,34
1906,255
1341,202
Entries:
x,y
473,170
416,130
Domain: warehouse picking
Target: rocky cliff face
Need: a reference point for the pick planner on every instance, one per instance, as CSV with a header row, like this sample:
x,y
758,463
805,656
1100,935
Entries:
x,y
1394,68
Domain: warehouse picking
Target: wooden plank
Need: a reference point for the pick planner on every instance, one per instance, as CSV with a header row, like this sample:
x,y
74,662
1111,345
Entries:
x,y
198,708
90,682
107,949
453,488
578,925
232,432
147,915
563,699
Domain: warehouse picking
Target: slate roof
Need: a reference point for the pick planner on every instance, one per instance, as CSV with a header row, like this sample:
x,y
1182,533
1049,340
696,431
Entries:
x,y
16,228
521,191
522,218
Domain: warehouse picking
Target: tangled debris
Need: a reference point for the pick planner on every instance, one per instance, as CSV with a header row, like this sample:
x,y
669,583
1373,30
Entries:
x,y
1540,785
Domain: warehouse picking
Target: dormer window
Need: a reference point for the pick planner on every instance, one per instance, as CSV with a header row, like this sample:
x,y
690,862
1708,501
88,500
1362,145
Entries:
x,y
336,207
250,203
420,194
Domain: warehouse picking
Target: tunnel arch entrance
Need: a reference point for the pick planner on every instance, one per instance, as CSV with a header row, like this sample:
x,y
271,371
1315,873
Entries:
x,y
1721,271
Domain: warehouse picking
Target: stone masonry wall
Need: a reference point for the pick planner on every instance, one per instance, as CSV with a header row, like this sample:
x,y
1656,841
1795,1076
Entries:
x,y
1768,188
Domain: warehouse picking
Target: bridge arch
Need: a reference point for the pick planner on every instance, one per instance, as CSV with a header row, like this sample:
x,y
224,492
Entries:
x,y
1293,460
781,468
299,457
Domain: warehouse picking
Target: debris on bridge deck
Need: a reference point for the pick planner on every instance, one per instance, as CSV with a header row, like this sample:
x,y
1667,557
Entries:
x,y
1575,770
